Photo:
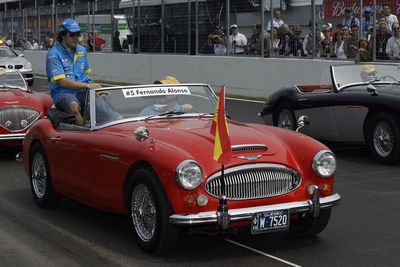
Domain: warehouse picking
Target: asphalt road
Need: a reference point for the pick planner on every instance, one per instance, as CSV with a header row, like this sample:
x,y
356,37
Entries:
x,y
363,230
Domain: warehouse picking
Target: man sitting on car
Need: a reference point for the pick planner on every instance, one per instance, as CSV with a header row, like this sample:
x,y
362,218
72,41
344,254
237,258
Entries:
x,y
67,74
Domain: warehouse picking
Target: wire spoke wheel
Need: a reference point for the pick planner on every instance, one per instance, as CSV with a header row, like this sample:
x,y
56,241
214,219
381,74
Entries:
x,y
39,176
144,213
286,120
383,139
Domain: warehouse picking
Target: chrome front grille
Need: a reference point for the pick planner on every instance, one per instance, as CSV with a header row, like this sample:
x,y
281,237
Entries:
x,y
17,118
254,181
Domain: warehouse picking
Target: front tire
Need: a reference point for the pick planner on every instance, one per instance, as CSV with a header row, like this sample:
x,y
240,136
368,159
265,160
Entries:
x,y
309,226
40,179
383,138
149,212
284,117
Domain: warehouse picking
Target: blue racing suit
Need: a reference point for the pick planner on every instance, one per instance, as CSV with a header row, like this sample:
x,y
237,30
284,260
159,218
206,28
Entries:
x,y
63,62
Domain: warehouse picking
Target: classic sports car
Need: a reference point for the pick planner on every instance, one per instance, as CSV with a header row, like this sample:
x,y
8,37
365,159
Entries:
x,y
19,107
362,105
10,60
159,167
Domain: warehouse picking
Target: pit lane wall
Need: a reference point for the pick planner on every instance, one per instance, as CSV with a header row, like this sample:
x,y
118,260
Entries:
x,y
244,76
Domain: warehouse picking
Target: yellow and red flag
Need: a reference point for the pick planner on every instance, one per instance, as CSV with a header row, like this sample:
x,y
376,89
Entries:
x,y
219,128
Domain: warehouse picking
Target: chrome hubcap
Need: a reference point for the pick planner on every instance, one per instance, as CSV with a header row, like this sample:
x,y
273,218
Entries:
x,y
383,139
143,212
285,120
39,175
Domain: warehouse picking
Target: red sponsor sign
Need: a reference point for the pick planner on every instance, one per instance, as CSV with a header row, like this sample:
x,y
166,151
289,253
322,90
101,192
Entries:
x,y
334,9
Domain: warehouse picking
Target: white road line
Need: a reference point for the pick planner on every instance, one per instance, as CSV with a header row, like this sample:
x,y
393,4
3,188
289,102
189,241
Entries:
x,y
262,253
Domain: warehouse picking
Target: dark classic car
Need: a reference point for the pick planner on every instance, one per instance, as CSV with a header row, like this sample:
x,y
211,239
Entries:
x,y
362,105
154,162
19,107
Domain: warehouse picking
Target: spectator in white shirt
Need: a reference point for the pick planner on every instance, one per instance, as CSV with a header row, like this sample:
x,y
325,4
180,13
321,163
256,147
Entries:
x,y
237,42
390,18
276,20
393,44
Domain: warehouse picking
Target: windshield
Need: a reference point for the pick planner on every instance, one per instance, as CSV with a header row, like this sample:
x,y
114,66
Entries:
x,y
152,101
11,79
349,75
7,52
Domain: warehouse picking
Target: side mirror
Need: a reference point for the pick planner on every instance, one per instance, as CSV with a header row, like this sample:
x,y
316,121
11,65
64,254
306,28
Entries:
x,y
302,121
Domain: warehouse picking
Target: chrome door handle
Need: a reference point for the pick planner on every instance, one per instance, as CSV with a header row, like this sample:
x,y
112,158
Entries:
x,y
55,138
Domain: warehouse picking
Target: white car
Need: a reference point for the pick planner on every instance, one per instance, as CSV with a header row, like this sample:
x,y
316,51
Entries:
x,y
10,60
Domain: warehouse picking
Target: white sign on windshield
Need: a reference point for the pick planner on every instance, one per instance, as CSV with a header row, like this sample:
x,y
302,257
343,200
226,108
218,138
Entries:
x,y
155,91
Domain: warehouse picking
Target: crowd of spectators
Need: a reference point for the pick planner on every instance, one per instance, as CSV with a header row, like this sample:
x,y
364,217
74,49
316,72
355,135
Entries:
x,y
351,39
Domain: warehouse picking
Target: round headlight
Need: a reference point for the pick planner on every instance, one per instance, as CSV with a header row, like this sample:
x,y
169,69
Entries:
x,y
324,163
188,174
28,65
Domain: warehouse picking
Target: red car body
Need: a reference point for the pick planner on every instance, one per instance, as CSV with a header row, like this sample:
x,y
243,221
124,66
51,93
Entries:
x,y
94,165
19,109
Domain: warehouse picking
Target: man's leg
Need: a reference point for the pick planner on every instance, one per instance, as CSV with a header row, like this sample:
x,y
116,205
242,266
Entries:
x,y
75,109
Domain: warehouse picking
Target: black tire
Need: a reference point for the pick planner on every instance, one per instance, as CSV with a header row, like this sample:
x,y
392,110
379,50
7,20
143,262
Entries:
x,y
310,226
383,138
161,238
283,117
40,179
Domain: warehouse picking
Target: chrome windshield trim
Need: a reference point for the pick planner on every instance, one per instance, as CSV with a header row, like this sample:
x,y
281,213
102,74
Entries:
x,y
12,136
243,214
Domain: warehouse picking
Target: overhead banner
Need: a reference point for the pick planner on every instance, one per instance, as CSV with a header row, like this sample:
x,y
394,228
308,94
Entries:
x,y
334,9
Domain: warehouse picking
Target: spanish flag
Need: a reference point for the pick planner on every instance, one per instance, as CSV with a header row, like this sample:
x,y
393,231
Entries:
x,y
219,128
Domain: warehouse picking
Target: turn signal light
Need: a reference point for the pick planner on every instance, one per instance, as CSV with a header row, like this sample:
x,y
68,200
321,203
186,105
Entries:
x,y
190,201
325,189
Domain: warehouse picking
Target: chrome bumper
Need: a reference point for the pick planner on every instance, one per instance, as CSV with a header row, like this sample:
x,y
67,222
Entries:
x,y
235,215
4,137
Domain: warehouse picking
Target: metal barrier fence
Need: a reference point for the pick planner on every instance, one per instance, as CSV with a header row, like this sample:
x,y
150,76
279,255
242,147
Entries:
x,y
340,29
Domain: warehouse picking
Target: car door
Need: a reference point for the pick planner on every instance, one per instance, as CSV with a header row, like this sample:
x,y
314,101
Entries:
x,y
67,158
317,106
349,117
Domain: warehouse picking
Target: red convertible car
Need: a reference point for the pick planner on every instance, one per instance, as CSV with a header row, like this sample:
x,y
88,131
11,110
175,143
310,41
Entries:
x,y
19,107
152,159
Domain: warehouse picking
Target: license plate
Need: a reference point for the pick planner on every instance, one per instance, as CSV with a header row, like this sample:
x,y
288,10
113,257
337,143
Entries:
x,y
270,221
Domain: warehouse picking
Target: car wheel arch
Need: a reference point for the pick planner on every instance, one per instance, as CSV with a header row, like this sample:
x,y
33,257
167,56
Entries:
x,y
140,165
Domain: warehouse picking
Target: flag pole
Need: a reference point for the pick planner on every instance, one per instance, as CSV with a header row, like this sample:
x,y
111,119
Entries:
x,y
223,214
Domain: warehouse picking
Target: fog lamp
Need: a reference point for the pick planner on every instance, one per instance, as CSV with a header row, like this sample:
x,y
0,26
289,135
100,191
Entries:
x,y
202,200
24,123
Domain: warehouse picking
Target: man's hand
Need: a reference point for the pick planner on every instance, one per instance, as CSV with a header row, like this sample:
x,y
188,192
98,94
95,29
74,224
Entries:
x,y
93,85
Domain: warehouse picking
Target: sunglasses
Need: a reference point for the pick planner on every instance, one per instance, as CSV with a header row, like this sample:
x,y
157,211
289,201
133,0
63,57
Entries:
x,y
74,34
396,28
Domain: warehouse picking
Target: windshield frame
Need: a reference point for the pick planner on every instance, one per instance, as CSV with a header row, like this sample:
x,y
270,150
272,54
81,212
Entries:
x,y
25,86
337,88
92,108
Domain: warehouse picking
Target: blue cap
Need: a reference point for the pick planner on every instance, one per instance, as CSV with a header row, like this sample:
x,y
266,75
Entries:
x,y
70,25
367,9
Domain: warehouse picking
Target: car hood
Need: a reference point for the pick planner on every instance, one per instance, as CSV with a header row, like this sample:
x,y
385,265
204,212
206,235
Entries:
x,y
192,139
12,60
17,97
